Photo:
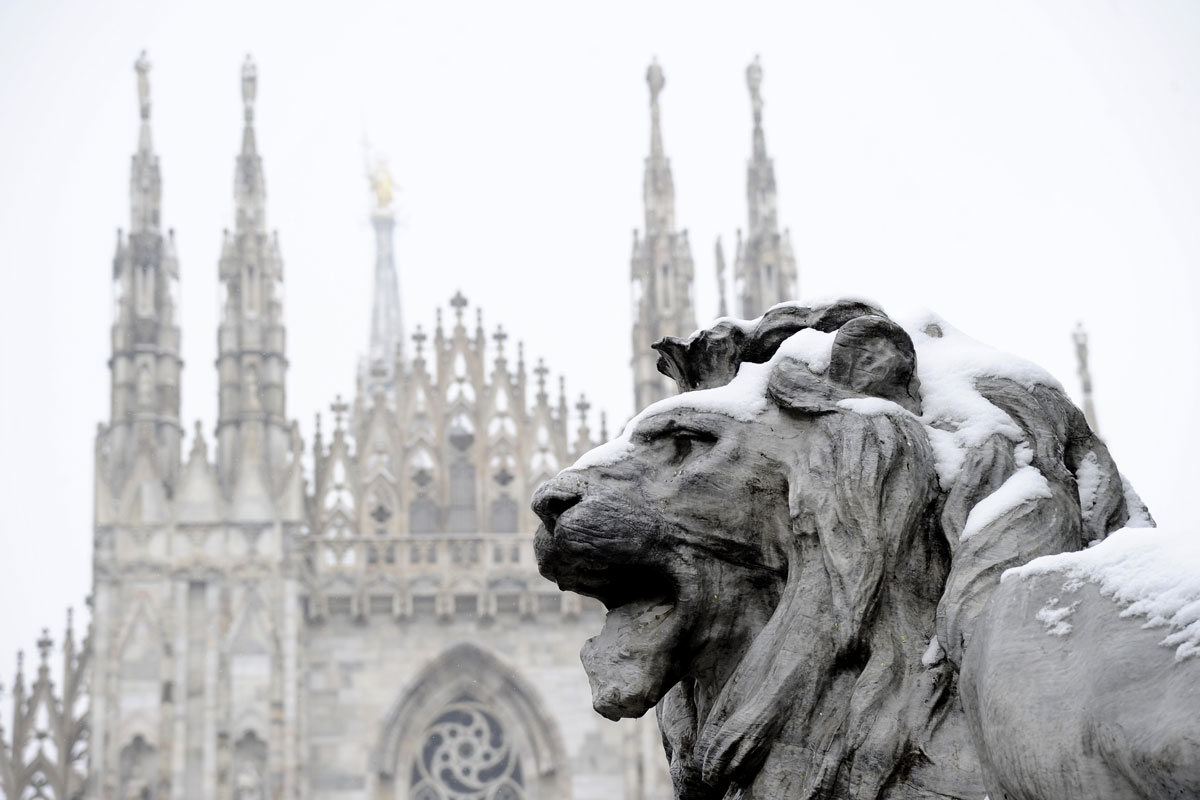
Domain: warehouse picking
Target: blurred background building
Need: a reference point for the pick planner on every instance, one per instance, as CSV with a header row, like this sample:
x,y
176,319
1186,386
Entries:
x,y
360,617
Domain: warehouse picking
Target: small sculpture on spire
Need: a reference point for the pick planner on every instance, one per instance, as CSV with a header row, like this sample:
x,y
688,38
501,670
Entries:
x,y
142,67
381,183
654,77
754,76
249,87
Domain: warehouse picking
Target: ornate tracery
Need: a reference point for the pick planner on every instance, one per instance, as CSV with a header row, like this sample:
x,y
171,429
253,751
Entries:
x,y
466,754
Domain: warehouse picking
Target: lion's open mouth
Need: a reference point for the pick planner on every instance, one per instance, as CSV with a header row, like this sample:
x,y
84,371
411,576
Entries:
x,y
629,664
632,662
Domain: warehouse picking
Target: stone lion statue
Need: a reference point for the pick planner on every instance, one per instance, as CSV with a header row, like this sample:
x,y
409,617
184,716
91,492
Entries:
x,y
796,550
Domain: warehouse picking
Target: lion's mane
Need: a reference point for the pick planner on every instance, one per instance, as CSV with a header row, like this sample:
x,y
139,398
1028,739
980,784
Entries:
x,y
853,681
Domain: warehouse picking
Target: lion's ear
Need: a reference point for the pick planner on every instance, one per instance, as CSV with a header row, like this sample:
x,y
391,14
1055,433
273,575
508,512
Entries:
x,y
874,356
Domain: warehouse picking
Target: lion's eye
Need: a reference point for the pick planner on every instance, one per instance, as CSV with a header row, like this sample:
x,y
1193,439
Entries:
x,y
685,442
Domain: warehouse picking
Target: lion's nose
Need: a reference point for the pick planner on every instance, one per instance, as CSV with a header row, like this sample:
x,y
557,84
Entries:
x,y
553,498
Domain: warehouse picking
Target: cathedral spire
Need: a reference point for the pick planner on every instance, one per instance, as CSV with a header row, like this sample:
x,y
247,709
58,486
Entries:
x,y
387,323
251,365
658,187
145,360
765,272
145,183
251,189
661,268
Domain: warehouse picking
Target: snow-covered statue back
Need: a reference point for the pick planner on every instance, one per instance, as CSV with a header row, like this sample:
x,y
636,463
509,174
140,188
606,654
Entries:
x,y
797,552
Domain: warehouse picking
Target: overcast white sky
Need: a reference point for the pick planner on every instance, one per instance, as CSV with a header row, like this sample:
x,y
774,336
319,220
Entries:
x,y
1015,166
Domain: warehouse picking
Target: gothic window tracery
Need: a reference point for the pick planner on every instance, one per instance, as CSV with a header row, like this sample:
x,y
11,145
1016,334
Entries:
x,y
466,754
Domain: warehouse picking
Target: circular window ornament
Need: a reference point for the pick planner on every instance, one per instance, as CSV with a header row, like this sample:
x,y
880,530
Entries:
x,y
466,755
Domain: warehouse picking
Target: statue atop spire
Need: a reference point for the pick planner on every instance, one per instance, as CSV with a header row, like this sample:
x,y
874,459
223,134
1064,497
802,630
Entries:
x,y
142,66
656,81
381,185
754,76
654,77
249,87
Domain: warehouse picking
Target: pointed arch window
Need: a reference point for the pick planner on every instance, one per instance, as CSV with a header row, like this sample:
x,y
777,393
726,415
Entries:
x,y
422,516
503,515
462,497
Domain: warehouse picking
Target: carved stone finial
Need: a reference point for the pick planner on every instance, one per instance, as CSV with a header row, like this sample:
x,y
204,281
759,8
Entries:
x,y
458,303
419,338
339,407
499,338
541,371
142,67
249,87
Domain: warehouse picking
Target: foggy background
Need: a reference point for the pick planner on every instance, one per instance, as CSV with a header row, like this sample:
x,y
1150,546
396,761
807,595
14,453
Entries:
x,y
1014,166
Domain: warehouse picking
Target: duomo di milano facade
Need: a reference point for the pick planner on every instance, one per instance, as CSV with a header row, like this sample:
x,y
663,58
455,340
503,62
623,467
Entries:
x,y
360,617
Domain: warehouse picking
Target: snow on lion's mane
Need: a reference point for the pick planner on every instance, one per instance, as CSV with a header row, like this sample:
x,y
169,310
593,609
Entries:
x,y
956,416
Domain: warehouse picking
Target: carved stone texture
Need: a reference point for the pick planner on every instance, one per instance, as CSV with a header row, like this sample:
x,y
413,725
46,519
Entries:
x,y
795,557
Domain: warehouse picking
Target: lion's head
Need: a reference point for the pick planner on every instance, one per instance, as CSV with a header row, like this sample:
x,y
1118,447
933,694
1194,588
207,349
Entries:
x,y
792,551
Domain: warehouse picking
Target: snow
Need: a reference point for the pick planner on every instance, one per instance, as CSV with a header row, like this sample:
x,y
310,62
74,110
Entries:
x,y
811,346
1026,484
1087,475
1055,619
1139,515
1154,573
934,654
958,417
744,398
871,406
